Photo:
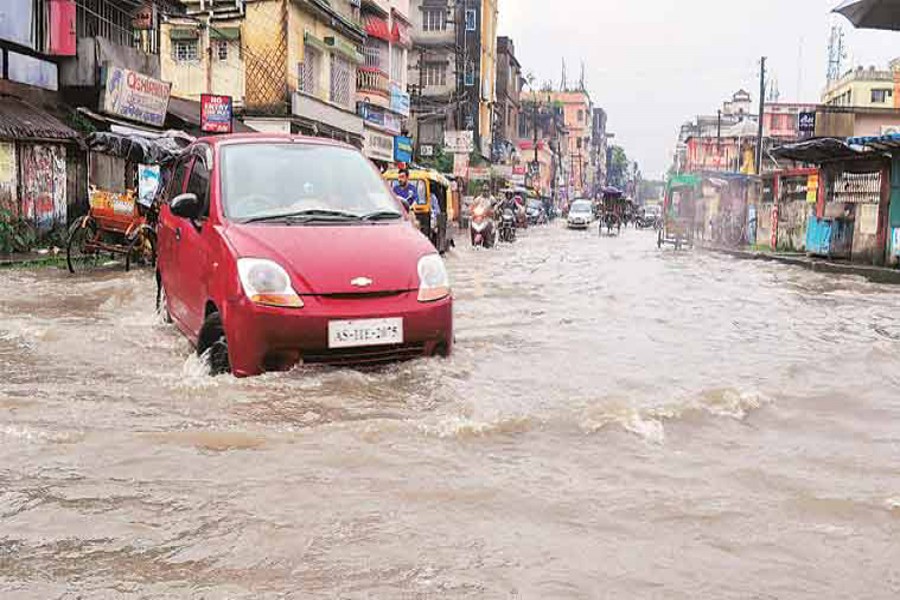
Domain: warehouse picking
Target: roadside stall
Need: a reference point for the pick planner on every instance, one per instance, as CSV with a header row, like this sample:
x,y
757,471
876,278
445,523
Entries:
x,y
853,191
889,145
125,174
796,192
680,211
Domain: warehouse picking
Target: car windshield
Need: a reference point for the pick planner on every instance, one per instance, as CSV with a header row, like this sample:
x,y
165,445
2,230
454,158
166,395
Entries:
x,y
581,208
271,180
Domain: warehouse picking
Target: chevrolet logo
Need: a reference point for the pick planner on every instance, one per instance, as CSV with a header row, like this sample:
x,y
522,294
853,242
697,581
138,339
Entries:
x,y
361,282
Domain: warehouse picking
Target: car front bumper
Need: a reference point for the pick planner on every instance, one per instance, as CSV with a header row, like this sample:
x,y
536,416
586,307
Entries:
x,y
263,338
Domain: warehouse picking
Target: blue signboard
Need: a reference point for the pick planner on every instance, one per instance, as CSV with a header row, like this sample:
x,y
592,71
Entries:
x,y
403,149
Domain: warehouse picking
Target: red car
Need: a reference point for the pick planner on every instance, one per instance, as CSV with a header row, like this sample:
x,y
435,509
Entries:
x,y
276,250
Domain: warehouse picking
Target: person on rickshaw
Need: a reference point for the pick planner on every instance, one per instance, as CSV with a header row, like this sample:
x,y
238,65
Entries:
x,y
405,191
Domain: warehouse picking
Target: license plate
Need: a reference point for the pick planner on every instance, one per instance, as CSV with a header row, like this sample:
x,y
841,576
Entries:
x,y
365,332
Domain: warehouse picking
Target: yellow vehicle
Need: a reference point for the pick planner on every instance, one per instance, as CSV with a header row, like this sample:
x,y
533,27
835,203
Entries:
x,y
438,204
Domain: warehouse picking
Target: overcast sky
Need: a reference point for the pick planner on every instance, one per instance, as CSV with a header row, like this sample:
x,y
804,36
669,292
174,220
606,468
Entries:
x,y
653,64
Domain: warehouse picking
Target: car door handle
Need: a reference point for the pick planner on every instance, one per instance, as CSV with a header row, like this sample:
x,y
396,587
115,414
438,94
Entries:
x,y
178,234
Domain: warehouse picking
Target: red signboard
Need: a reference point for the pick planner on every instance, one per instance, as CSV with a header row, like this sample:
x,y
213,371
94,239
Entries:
x,y
216,114
61,41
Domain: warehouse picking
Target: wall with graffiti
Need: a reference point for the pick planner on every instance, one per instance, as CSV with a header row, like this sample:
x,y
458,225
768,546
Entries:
x,y
8,179
43,185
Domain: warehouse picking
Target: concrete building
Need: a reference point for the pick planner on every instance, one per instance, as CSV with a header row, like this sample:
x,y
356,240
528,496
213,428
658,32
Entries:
x,y
578,113
600,146
290,65
508,107
381,80
866,88
453,70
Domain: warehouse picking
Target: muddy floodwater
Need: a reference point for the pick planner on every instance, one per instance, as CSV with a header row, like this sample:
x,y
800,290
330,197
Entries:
x,y
616,422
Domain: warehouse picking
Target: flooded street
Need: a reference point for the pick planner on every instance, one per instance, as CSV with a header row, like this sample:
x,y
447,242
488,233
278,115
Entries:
x,y
616,422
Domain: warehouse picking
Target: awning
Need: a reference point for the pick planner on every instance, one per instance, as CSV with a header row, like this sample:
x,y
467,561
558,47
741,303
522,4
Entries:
x,y
231,34
400,34
818,151
378,28
884,143
20,120
183,33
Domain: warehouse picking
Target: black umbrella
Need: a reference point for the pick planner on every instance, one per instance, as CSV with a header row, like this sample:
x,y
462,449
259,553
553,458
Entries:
x,y
872,14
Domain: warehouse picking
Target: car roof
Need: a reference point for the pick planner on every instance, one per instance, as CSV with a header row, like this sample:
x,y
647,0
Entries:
x,y
256,137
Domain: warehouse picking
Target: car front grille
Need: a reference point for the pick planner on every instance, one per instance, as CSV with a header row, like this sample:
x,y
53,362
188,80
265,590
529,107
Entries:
x,y
365,357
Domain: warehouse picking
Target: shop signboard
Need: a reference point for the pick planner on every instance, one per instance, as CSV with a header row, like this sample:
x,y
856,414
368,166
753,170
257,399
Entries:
x,y
812,188
459,142
426,150
480,173
403,149
16,18
807,124
399,101
216,113
377,116
460,165
131,95
378,146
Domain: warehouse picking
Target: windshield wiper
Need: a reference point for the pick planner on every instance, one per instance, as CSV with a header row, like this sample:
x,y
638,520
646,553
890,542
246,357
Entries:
x,y
306,216
382,215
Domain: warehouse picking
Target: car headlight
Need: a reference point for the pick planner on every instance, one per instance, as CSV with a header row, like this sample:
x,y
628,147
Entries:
x,y
434,281
267,283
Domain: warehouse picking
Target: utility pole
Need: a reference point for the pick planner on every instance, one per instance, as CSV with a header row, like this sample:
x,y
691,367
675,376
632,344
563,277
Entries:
x,y
762,110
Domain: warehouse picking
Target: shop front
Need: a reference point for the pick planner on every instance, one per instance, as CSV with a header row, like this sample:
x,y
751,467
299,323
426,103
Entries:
x,y
35,151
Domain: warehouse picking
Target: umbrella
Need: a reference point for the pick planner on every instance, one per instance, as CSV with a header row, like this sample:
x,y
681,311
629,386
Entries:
x,y
872,14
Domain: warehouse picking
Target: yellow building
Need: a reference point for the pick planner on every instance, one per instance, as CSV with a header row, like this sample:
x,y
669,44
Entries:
x,y
293,67
488,96
866,88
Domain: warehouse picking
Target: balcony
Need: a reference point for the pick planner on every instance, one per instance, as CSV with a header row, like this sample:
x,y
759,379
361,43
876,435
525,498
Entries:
x,y
372,81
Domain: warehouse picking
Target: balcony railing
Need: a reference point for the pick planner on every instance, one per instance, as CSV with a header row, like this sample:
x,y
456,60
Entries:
x,y
370,79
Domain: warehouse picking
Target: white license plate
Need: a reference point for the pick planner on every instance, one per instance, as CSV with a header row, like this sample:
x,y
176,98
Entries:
x,y
365,332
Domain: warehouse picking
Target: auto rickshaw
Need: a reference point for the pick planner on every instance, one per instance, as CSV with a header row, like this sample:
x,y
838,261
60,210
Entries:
x,y
679,211
437,205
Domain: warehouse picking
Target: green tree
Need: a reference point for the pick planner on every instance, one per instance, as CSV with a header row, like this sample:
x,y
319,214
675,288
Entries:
x,y
619,168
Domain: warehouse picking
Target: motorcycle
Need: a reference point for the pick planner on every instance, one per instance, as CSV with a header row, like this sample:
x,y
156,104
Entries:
x,y
481,228
508,226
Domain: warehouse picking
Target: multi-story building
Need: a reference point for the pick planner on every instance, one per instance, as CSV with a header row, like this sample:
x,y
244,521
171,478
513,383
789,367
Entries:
x,y
600,147
381,80
290,65
578,112
453,70
508,107
543,144
866,88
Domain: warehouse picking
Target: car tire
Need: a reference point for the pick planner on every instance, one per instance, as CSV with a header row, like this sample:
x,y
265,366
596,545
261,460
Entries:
x,y
213,345
162,301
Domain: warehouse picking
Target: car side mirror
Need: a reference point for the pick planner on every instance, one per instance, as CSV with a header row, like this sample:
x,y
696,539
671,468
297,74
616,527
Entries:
x,y
186,206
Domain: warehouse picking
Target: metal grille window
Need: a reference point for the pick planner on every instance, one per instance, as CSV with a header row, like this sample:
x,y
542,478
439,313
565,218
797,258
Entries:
x,y
471,20
376,54
435,74
398,64
310,70
858,188
185,50
341,81
222,50
434,19
470,75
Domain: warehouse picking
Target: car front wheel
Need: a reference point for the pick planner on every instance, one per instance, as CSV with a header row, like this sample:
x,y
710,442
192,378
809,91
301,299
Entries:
x,y
213,345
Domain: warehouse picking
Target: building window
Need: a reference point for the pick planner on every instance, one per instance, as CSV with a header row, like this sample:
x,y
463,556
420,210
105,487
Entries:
x,y
471,20
434,74
581,116
434,19
310,70
881,96
222,50
470,75
375,52
185,51
398,65
341,80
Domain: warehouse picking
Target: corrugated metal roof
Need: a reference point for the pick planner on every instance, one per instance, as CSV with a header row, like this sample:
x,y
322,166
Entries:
x,y
886,143
23,121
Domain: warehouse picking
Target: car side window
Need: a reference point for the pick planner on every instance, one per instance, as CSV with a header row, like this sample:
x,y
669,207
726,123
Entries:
x,y
198,183
176,184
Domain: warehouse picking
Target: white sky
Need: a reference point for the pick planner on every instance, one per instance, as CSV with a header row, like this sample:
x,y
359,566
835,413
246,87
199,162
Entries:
x,y
653,64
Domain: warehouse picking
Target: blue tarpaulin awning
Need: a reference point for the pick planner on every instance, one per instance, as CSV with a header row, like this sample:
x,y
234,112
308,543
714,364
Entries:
x,y
884,143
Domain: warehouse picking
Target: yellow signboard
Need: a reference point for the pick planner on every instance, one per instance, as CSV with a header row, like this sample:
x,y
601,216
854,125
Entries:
x,y
812,188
